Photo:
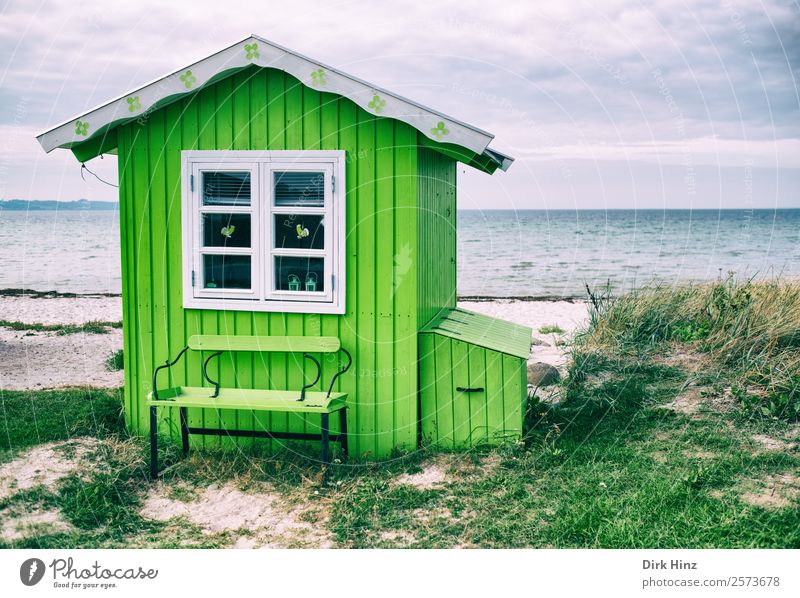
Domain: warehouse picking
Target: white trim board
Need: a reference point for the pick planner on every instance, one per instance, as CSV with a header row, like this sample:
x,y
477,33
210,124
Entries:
x,y
261,52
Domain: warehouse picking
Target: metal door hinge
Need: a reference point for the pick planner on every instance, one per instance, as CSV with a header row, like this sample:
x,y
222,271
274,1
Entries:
x,y
333,183
192,277
191,182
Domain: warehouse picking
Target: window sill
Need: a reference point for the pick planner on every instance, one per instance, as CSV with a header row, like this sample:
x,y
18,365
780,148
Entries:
x,y
251,305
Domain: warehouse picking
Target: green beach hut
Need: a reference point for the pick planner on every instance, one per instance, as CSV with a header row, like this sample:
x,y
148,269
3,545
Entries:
x,y
282,219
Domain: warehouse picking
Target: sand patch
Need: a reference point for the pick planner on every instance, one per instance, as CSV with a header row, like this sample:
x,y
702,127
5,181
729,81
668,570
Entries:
x,y
19,526
699,454
770,443
432,476
44,465
34,360
490,464
691,362
689,401
268,520
400,538
60,310
776,492
435,515
659,456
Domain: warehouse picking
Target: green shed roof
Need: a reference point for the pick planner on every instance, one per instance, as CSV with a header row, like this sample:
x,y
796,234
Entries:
x,y
483,331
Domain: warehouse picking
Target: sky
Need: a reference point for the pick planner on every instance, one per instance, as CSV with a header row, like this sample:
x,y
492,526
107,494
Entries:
x,y
604,105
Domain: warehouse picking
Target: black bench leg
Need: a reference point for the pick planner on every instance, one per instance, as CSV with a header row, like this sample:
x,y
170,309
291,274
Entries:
x,y
343,429
326,454
184,432
153,444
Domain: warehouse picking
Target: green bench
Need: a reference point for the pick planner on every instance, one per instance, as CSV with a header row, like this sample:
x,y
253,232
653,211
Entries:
x,y
300,401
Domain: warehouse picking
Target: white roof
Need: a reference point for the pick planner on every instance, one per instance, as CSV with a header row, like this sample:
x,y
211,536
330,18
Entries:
x,y
255,50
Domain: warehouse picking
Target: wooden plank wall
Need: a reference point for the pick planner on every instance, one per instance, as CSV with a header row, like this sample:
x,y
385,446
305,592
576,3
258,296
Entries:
x,y
268,109
436,275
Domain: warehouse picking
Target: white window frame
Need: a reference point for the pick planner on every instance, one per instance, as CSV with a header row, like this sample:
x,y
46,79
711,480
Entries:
x,y
263,296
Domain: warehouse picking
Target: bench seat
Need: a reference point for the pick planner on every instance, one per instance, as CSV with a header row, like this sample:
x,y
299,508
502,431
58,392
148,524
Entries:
x,y
303,401
247,399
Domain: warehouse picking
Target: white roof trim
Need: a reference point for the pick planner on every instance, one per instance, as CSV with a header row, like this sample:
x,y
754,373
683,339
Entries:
x,y
259,51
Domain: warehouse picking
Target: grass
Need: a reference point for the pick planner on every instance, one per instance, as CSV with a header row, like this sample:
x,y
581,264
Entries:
x,y
614,464
115,362
93,327
551,329
28,418
751,332
100,503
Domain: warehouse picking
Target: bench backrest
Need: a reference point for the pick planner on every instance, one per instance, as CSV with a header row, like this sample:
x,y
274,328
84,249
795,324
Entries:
x,y
283,344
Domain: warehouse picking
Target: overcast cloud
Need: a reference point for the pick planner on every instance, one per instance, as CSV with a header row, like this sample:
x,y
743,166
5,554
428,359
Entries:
x,y
616,104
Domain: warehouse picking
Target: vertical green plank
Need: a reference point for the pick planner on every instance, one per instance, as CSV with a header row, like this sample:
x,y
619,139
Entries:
x,y
494,396
240,98
311,118
293,104
258,110
384,284
445,391
429,415
513,394
477,400
159,274
451,191
405,291
171,260
462,425
130,353
143,272
366,283
330,128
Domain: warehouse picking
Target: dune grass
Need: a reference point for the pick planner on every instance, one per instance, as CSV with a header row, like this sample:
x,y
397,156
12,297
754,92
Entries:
x,y
551,329
115,362
92,327
750,331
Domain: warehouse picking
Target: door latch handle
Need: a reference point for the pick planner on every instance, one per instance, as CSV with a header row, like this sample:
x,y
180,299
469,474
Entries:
x,y
468,389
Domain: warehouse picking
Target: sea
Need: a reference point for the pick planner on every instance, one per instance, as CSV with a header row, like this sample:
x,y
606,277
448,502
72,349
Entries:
x,y
501,253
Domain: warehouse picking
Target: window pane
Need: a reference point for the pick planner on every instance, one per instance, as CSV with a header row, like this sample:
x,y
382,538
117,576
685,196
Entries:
x,y
299,231
292,188
226,271
226,188
299,273
226,230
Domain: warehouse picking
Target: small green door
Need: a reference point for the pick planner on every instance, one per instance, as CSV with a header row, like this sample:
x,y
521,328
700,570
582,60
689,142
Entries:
x,y
470,393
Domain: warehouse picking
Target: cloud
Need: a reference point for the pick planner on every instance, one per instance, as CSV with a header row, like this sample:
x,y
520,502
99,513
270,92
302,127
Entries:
x,y
613,80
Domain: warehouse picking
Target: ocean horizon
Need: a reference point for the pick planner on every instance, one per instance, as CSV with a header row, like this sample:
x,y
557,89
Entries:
x,y
501,253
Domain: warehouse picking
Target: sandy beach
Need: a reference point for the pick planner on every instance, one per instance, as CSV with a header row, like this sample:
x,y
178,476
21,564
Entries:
x,y
46,359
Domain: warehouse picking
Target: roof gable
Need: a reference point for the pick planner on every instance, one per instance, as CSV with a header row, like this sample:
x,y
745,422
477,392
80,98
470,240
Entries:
x,y
85,133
